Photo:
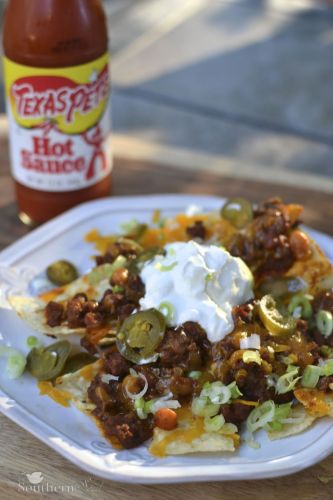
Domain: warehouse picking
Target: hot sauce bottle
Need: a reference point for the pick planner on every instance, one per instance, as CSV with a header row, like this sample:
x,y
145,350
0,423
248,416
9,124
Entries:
x,y
57,88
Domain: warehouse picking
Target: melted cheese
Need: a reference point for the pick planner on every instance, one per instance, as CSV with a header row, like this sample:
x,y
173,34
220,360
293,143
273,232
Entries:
x,y
313,401
61,397
187,435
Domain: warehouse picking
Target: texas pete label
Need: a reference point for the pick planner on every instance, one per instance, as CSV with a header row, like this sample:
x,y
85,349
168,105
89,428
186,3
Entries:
x,y
59,124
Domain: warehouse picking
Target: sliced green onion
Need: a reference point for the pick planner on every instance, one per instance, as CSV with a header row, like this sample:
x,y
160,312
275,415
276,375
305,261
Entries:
x,y
166,268
156,404
326,351
234,390
327,368
167,309
261,416
33,341
217,392
287,381
252,357
105,271
172,252
202,407
209,277
288,360
302,302
195,374
139,405
15,365
272,379
280,414
117,289
252,443
214,424
129,226
292,368
324,322
16,362
311,376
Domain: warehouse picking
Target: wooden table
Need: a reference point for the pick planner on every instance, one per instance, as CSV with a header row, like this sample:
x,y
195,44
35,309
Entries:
x,y
22,453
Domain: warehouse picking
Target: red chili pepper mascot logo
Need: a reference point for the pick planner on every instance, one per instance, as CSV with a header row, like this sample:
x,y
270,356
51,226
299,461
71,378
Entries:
x,y
94,138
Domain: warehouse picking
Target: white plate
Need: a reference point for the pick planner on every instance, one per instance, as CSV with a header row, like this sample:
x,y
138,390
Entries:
x,y
74,435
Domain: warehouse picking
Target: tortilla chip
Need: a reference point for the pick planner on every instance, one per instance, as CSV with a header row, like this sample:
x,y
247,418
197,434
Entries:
x,y
31,309
316,271
165,444
329,401
315,402
77,384
190,437
305,421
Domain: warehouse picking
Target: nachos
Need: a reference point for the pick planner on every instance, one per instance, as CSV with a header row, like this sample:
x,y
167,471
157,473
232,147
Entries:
x,y
196,331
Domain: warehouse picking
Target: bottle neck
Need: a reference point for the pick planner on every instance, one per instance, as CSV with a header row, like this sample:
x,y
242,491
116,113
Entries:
x,y
54,33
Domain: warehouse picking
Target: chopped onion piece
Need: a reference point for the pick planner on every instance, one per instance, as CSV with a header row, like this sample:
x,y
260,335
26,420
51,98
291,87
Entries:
x,y
216,392
251,342
252,357
16,362
162,403
140,394
15,365
106,378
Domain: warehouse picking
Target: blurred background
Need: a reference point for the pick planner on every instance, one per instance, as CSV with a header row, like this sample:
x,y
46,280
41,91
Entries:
x,y
243,87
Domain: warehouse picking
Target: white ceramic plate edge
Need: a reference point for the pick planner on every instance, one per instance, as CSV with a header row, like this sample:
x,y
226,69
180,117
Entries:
x,y
159,474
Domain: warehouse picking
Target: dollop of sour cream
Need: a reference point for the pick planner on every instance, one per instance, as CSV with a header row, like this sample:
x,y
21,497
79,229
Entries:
x,y
198,283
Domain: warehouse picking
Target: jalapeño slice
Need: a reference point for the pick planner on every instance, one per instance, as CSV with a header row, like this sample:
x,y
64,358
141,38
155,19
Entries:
x,y
46,363
238,211
274,321
140,335
61,272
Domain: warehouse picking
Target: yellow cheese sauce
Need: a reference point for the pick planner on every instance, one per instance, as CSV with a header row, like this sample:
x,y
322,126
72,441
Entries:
x,y
61,397
173,230
189,428
187,435
88,372
313,401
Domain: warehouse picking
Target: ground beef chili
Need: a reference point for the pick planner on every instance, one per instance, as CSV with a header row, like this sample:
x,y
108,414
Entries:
x,y
323,301
113,408
324,383
236,413
186,346
197,230
120,247
128,429
81,312
265,245
54,313
115,364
